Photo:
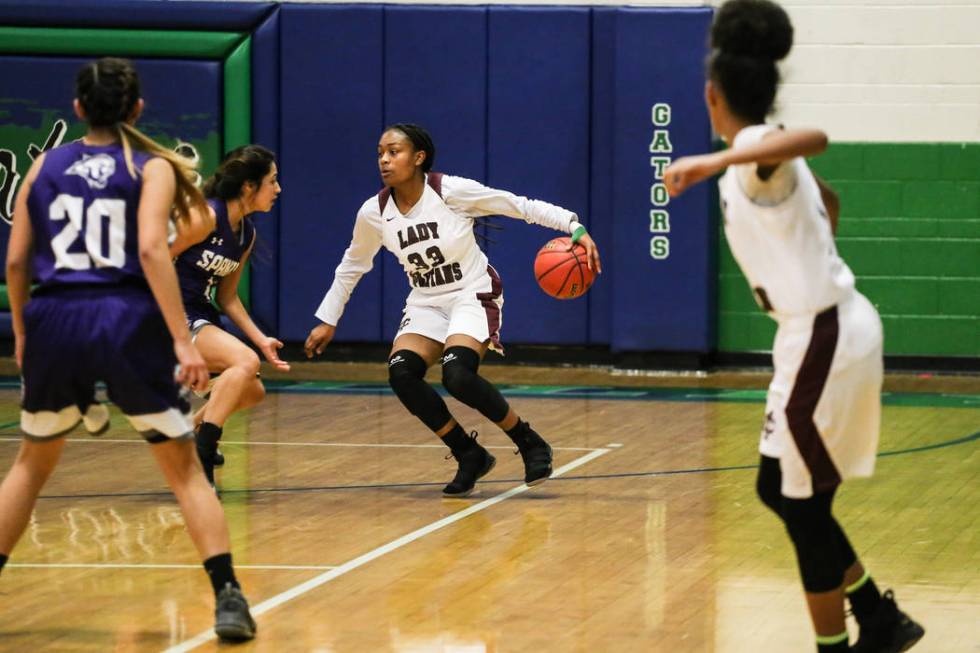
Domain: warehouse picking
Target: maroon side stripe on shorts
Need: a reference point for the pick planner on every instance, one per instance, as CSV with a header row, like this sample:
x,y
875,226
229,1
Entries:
x,y
810,381
490,305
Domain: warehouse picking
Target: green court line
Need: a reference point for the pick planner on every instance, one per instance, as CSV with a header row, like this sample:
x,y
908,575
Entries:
x,y
936,400
683,395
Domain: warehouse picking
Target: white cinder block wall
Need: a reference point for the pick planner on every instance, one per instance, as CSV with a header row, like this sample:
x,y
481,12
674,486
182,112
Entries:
x,y
870,70
884,70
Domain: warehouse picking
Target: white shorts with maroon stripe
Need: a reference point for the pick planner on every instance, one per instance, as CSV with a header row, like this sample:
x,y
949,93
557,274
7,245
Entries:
x,y
476,312
823,409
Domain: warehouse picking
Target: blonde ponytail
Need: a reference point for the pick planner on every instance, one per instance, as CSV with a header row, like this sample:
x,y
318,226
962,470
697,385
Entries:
x,y
188,195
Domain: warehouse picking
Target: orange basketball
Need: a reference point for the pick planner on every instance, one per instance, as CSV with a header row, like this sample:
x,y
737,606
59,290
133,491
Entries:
x,y
561,272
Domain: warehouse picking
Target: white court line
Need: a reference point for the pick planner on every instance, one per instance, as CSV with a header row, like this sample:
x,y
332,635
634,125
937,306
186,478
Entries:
x,y
120,565
360,561
97,439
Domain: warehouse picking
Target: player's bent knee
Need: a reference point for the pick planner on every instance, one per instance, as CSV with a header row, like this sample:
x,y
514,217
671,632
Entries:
x,y
460,378
809,524
249,363
406,376
405,367
459,366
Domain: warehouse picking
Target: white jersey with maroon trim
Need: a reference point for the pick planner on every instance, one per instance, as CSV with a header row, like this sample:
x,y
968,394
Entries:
x,y
434,241
779,234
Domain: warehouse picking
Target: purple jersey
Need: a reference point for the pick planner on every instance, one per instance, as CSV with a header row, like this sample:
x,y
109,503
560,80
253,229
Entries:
x,y
93,317
83,208
202,266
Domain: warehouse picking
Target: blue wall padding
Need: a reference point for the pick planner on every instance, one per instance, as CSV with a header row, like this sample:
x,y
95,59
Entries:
x,y
265,131
601,216
660,304
133,14
538,146
331,116
549,102
435,74
552,103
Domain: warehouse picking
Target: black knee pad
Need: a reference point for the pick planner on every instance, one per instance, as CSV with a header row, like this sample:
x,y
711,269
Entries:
x,y
459,377
768,484
847,554
814,533
406,376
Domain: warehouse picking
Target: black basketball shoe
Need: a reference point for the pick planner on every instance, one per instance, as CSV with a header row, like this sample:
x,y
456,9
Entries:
x,y
889,631
232,620
475,462
536,454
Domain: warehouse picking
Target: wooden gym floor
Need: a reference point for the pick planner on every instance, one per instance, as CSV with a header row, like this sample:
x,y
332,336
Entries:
x,y
649,538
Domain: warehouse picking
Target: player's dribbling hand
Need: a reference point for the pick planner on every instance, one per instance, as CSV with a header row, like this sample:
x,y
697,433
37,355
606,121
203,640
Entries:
x,y
270,349
192,371
591,253
320,336
689,170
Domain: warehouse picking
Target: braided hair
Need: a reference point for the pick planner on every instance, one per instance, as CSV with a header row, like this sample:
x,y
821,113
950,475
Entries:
x,y
108,91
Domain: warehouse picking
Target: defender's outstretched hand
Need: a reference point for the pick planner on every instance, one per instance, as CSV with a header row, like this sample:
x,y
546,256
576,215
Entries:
x,y
270,349
320,336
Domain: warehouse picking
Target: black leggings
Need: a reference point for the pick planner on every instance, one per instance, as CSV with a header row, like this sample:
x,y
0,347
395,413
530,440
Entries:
x,y
823,552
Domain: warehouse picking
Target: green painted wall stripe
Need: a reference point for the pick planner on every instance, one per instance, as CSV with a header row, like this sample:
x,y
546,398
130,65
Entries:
x,y
910,231
124,42
238,95
238,123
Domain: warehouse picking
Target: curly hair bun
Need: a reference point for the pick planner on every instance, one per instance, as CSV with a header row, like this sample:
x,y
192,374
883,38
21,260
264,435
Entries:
x,y
752,28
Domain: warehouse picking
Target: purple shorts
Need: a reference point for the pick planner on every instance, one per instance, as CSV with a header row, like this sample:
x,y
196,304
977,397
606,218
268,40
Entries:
x,y
76,336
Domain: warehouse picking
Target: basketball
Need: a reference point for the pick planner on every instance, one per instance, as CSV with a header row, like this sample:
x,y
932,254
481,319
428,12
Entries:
x,y
561,272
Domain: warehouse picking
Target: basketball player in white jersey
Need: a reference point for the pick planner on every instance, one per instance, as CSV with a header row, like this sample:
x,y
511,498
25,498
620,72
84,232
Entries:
x,y
454,309
823,405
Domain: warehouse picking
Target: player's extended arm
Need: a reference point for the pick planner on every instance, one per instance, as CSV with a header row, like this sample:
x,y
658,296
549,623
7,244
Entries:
x,y
19,260
475,199
358,260
231,304
159,186
776,147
